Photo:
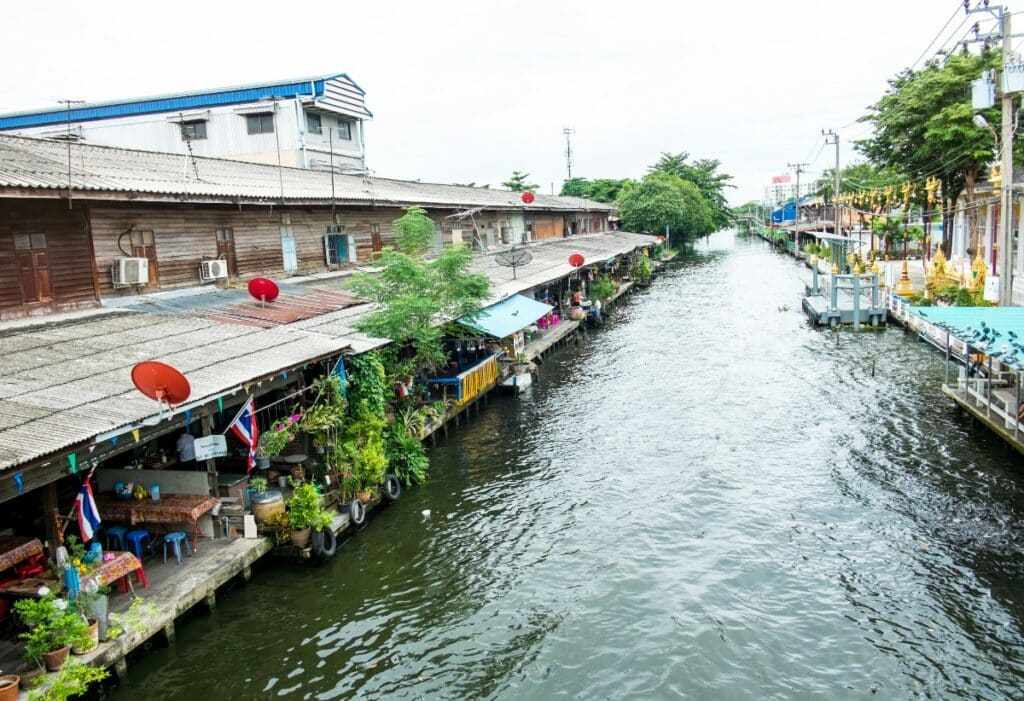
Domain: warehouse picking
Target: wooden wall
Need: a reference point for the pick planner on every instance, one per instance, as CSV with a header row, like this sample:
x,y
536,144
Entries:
x,y
69,253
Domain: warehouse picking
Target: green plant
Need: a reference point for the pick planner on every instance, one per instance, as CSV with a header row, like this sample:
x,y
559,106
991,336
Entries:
x,y
53,623
136,619
281,432
946,292
326,414
407,457
411,420
368,390
642,268
602,288
259,484
73,679
304,509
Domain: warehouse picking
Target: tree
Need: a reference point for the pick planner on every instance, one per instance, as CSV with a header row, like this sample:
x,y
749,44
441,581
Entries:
x,y
472,184
417,295
703,173
517,183
600,190
923,126
661,200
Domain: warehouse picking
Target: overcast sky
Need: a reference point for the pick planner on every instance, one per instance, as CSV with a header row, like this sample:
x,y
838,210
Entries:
x,y
469,91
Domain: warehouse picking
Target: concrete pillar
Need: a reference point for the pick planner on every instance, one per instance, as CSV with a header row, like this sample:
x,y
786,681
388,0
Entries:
x,y
247,574
121,670
211,600
168,634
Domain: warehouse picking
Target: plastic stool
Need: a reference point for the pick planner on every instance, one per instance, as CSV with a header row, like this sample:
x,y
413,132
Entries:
x,y
140,578
135,538
115,537
176,538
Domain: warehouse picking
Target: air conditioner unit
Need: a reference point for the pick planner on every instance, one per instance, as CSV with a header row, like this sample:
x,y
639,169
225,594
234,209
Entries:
x,y
210,270
130,271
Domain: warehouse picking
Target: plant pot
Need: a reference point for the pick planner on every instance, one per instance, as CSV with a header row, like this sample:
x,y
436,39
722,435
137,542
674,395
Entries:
x,y
300,539
298,474
282,481
266,504
364,497
262,462
320,450
55,659
98,610
94,635
28,674
9,687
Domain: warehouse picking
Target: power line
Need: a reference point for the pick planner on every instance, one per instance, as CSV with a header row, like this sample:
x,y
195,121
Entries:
x,y
949,21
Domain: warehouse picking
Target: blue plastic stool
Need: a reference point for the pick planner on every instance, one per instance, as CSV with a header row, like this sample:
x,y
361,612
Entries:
x,y
115,537
135,538
176,538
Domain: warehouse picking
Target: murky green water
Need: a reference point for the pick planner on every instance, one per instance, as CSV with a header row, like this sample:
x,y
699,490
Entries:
x,y
707,500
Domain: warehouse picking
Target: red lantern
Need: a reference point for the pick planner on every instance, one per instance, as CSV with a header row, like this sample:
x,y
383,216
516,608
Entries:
x,y
528,197
576,260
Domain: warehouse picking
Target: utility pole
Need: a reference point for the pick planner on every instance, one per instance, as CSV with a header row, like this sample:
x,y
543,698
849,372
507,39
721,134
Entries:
x,y
568,132
1004,266
67,104
830,134
796,204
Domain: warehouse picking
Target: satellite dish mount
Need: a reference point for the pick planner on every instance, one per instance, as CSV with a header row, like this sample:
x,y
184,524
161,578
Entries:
x,y
162,383
263,289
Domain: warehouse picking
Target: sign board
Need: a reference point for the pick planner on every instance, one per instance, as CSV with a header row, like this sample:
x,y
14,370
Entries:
x,y
991,288
211,447
780,179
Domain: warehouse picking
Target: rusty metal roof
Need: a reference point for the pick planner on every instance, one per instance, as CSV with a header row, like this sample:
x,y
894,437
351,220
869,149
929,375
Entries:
x,y
33,163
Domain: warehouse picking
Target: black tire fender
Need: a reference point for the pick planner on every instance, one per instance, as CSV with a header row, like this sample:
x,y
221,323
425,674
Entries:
x,y
392,487
325,543
356,512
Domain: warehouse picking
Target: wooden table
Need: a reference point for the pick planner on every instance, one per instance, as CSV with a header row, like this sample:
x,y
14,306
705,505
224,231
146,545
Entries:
x,y
169,509
26,588
15,549
109,571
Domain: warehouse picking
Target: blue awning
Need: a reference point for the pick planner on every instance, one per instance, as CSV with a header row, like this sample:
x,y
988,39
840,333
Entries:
x,y
507,316
997,330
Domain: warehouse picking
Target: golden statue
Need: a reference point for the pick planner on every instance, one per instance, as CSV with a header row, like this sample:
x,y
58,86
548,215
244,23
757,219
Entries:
x,y
978,273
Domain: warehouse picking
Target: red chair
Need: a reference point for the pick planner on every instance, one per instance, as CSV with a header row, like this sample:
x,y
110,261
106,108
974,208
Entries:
x,y
32,567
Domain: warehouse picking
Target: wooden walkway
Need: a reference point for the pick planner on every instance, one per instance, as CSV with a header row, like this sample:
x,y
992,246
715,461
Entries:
x,y
994,405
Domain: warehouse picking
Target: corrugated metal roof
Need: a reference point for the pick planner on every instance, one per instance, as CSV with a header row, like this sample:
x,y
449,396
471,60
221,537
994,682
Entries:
x,y
212,97
27,162
62,384
507,316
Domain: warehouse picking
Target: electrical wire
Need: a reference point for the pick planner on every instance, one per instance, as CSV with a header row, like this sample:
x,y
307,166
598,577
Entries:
x,y
959,6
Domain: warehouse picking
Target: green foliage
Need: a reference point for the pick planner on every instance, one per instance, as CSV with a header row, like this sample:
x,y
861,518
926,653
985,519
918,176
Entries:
x,y
472,184
600,190
661,200
304,509
368,388
601,289
406,455
52,624
259,484
642,268
363,447
281,432
415,294
704,174
517,182
964,298
414,231
946,292
326,415
859,177
73,679
136,619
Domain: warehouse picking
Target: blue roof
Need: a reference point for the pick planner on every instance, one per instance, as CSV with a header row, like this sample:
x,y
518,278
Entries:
x,y
170,103
507,316
997,330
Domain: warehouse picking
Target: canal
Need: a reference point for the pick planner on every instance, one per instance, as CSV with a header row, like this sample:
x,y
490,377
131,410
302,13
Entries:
x,y
706,499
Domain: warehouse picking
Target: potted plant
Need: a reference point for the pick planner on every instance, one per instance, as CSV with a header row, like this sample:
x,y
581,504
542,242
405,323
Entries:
x,y
71,681
53,627
273,440
306,513
522,364
9,687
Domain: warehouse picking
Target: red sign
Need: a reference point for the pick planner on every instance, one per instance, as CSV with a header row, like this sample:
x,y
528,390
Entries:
x,y
780,179
576,260
528,197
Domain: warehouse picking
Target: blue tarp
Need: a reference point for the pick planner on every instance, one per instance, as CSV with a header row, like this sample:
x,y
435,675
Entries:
x,y
998,330
507,316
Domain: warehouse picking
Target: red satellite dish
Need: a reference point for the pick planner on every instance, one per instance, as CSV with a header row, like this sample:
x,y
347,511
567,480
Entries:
x,y
576,260
528,197
161,382
263,289
661,239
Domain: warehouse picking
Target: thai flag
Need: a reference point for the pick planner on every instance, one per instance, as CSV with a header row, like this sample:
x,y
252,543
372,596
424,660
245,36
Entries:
x,y
244,426
88,515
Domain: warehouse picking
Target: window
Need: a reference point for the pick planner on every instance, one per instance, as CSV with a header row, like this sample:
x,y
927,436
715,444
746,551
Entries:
x,y
314,125
261,123
344,130
196,129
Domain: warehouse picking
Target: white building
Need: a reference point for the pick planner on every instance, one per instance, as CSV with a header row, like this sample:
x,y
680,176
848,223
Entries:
x,y
296,122
782,189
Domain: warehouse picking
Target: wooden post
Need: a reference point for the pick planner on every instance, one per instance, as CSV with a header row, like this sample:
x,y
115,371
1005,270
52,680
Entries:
x,y
50,512
206,422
